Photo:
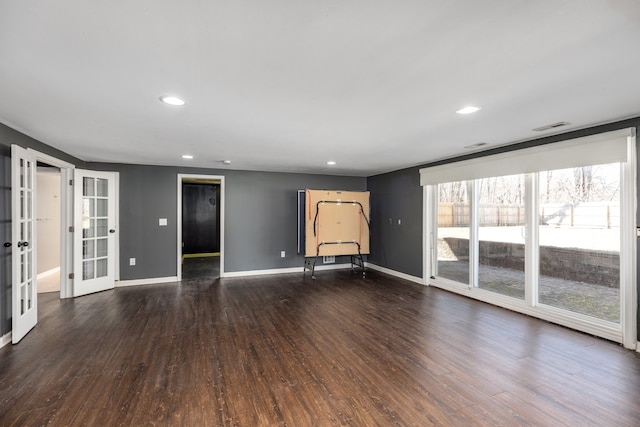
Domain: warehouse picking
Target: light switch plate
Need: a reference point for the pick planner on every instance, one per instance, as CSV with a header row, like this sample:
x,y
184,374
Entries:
x,y
162,222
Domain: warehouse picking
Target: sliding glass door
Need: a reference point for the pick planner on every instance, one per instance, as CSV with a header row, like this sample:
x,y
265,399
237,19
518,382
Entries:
x,y
552,241
579,240
501,235
578,245
500,220
453,231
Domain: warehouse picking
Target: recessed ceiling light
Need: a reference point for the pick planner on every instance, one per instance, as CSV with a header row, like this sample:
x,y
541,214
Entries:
x,y
331,163
187,156
468,109
172,100
226,162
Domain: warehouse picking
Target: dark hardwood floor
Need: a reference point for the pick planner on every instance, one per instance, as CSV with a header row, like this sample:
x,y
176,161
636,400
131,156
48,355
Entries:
x,y
283,350
200,268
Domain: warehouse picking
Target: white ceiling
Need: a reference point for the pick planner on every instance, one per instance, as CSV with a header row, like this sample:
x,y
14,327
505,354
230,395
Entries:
x,y
281,85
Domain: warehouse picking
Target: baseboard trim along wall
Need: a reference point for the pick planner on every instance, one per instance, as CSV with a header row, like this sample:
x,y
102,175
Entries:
x,y
49,272
5,339
246,273
283,270
398,274
152,281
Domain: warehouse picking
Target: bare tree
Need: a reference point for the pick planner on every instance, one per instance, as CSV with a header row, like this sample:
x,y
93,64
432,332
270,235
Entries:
x,y
547,196
453,192
583,177
575,185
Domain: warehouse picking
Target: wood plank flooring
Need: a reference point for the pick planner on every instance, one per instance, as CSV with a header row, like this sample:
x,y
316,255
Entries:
x,y
284,350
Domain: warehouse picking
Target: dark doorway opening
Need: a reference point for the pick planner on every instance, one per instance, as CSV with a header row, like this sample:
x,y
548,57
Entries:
x,y
200,230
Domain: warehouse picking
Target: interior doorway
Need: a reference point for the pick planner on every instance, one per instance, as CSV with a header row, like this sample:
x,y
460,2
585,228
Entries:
x,y
59,194
24,236
200,226
48,227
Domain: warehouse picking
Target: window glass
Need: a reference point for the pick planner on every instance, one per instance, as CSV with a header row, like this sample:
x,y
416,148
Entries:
x,y
501,235
453,231
579,235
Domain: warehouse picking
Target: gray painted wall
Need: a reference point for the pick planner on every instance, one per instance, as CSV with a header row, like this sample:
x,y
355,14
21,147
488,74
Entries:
x,y
10,136
260,217
396,221
260,213
399,195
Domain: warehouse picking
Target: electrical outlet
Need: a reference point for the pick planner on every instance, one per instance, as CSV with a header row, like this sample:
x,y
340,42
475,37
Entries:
x,y
132,261
282,254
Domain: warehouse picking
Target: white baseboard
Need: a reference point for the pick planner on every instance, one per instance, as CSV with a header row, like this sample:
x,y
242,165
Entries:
x,y
404,276
157,280
5,339
283,270
49,272
151,281
246,273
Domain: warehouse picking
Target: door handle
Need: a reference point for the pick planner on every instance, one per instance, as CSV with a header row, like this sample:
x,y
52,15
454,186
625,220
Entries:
x,y
112,231
7,244
23,244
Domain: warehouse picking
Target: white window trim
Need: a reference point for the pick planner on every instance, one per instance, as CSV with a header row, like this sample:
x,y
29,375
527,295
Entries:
x,y
626,331
628,247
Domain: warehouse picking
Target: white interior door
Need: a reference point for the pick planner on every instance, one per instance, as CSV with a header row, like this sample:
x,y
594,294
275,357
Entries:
x,y
94,231
24,288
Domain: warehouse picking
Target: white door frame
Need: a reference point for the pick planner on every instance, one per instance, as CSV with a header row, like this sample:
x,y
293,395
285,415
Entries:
x,y
66,218
181,178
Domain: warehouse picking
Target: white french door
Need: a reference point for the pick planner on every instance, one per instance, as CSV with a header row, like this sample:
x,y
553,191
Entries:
x,y
94,243
94,259
24,286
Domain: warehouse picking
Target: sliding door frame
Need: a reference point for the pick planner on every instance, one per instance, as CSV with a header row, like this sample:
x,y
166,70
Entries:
x,y
625,332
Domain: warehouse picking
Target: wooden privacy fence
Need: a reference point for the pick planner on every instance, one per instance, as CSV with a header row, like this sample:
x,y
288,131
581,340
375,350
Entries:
x,y
457,215
588,214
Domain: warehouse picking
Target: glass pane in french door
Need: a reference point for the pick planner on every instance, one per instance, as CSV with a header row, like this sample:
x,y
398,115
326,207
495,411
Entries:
x,y
501,235
580,240
94,228
25,245
453,231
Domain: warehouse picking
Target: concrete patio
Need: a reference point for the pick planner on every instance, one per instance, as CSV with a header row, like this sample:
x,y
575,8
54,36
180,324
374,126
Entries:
x,y
594,300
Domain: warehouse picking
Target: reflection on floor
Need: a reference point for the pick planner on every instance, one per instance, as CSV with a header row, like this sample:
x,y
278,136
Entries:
x,y
285,350
198,268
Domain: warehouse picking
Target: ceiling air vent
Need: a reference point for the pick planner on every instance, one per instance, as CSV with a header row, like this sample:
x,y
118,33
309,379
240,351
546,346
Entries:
x,y
551,126
476,145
